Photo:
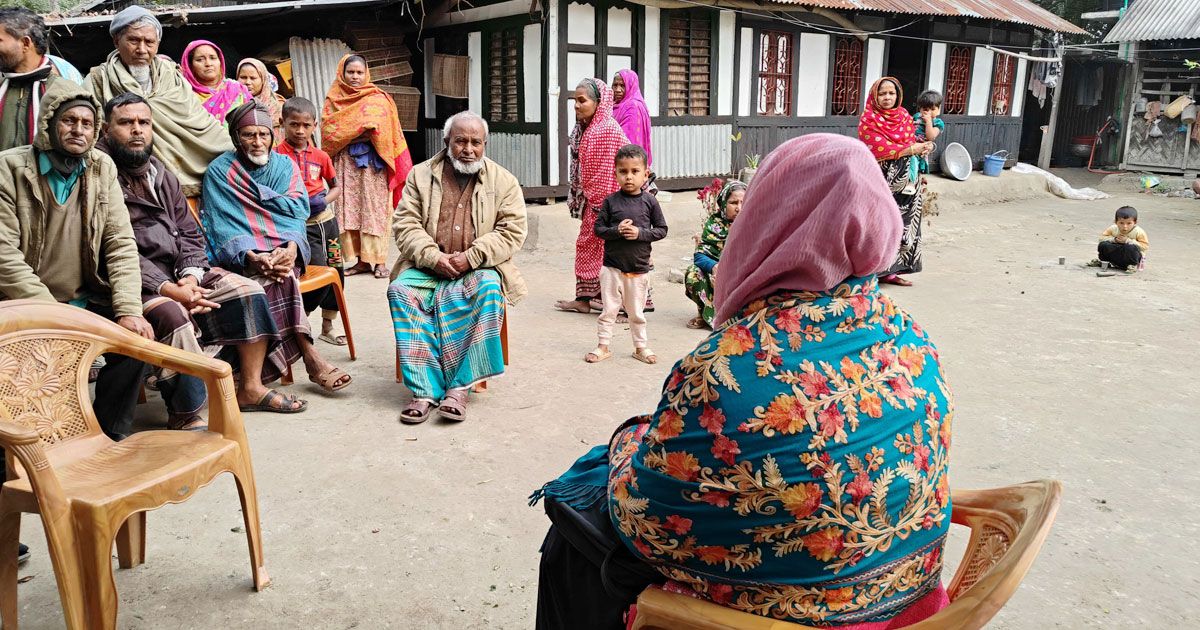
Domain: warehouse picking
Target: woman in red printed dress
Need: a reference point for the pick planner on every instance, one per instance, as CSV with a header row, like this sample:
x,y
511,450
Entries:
x,y
593,146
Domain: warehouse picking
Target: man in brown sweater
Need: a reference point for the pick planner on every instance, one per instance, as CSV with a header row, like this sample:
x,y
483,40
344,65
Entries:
x,y
461,220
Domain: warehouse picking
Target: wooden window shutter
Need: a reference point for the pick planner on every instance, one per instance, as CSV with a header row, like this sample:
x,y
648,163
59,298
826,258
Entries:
x,y
504,89
689,64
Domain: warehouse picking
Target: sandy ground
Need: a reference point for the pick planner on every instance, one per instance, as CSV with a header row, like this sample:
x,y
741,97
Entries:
x,y
372,524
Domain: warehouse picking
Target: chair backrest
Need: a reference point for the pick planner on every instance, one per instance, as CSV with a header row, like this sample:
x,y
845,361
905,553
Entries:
x,y
44,368
1008,527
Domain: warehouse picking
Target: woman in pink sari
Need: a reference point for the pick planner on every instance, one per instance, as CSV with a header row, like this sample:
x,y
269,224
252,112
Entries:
x,y
203,67
631,112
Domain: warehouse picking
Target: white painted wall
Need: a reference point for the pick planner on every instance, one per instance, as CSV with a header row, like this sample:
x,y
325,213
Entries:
x,y
532,53
874,70
614,63
553,97
581,24
1019,88
981,83
937,67
475,77
651,84
580,66
620,28
745,60
430,99
812,90
726,40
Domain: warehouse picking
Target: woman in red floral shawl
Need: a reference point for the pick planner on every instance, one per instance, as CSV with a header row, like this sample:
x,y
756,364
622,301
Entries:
x,y
593,146
888,131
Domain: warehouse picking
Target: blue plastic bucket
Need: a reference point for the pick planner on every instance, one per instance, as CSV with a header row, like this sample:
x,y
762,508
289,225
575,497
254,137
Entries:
x,y
993,163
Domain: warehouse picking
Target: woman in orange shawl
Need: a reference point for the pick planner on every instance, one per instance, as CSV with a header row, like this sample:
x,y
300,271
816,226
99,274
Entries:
x,y
360,128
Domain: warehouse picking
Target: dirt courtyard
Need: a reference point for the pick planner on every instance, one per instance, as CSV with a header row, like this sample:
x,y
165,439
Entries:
x,y
370,524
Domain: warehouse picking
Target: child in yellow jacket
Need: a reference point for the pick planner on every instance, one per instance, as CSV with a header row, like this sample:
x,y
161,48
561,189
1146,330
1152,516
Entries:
x,y
1123,244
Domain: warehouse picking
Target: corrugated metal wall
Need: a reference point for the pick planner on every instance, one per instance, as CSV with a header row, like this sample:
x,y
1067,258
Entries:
x,y
314,66
979,134
762,139
520,153
691,150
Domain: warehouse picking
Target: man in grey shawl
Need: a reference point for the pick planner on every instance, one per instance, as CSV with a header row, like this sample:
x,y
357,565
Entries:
x,y
187,138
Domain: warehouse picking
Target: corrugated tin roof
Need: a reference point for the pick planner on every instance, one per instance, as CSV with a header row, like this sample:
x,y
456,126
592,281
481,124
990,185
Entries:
x,y
1158,19
1018,11
220,13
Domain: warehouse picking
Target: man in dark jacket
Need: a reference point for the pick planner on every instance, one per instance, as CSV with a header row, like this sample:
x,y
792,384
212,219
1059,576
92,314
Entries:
x,y
191,305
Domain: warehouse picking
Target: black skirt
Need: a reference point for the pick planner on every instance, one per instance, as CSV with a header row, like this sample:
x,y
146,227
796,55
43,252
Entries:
x,y
587,578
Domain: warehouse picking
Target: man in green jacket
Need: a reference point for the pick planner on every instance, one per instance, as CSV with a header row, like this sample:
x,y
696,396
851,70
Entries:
x,y
461,220
65,236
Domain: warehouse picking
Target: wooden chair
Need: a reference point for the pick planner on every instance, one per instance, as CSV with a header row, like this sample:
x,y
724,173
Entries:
x,y
88,489
482,385
1008,527
315,278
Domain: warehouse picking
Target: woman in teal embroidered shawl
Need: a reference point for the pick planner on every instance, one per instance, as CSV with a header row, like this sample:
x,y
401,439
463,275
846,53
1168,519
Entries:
x,y
698,280
796,465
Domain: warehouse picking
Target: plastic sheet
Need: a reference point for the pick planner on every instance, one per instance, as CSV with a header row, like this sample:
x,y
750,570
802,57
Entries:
x,y
1059,186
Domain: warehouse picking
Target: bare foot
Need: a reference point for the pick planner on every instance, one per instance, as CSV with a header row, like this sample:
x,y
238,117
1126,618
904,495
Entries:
x,y
575,306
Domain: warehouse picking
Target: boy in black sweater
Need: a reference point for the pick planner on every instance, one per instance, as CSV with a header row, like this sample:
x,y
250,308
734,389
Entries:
x,y
628,222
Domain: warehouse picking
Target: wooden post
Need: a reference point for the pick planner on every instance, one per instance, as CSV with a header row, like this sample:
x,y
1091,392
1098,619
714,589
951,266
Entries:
x,y
1048,136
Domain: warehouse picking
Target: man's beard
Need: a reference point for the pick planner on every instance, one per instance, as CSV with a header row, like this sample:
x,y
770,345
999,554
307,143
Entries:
x,y
466,168
258,160
131,158
8,64
141,74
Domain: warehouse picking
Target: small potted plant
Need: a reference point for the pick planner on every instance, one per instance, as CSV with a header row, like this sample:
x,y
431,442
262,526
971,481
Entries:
x,y
747,173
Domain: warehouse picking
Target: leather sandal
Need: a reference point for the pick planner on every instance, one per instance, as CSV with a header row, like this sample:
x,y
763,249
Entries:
x,y
454,405
416,412
268,400
331,380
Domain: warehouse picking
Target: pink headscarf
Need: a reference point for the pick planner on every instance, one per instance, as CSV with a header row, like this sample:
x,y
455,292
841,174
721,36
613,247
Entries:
x,y
632,115
227,96
818,212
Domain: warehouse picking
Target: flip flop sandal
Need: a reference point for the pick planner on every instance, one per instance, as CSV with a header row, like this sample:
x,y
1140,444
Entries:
x,y
186,423
416,412
381,271
896,280
600,355
697,323
454,405
264,403
329,338
357,269
329,380
646,355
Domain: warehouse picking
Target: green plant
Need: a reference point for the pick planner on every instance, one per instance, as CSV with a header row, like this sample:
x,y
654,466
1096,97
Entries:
x,y
752,160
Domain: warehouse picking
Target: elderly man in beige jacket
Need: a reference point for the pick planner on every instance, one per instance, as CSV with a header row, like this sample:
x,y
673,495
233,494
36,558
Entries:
x,y
461,220
65,236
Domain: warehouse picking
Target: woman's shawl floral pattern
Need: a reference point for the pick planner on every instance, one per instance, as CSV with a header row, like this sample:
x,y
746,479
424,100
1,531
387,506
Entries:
x,y
796,467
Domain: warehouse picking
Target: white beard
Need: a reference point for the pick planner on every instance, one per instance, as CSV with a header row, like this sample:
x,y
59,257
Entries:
x,y
142,75
259,160
466,168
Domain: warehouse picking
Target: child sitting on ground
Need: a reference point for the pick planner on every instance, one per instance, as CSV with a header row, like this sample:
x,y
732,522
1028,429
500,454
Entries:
x,y
316,169
1123,244
629,221
925,119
